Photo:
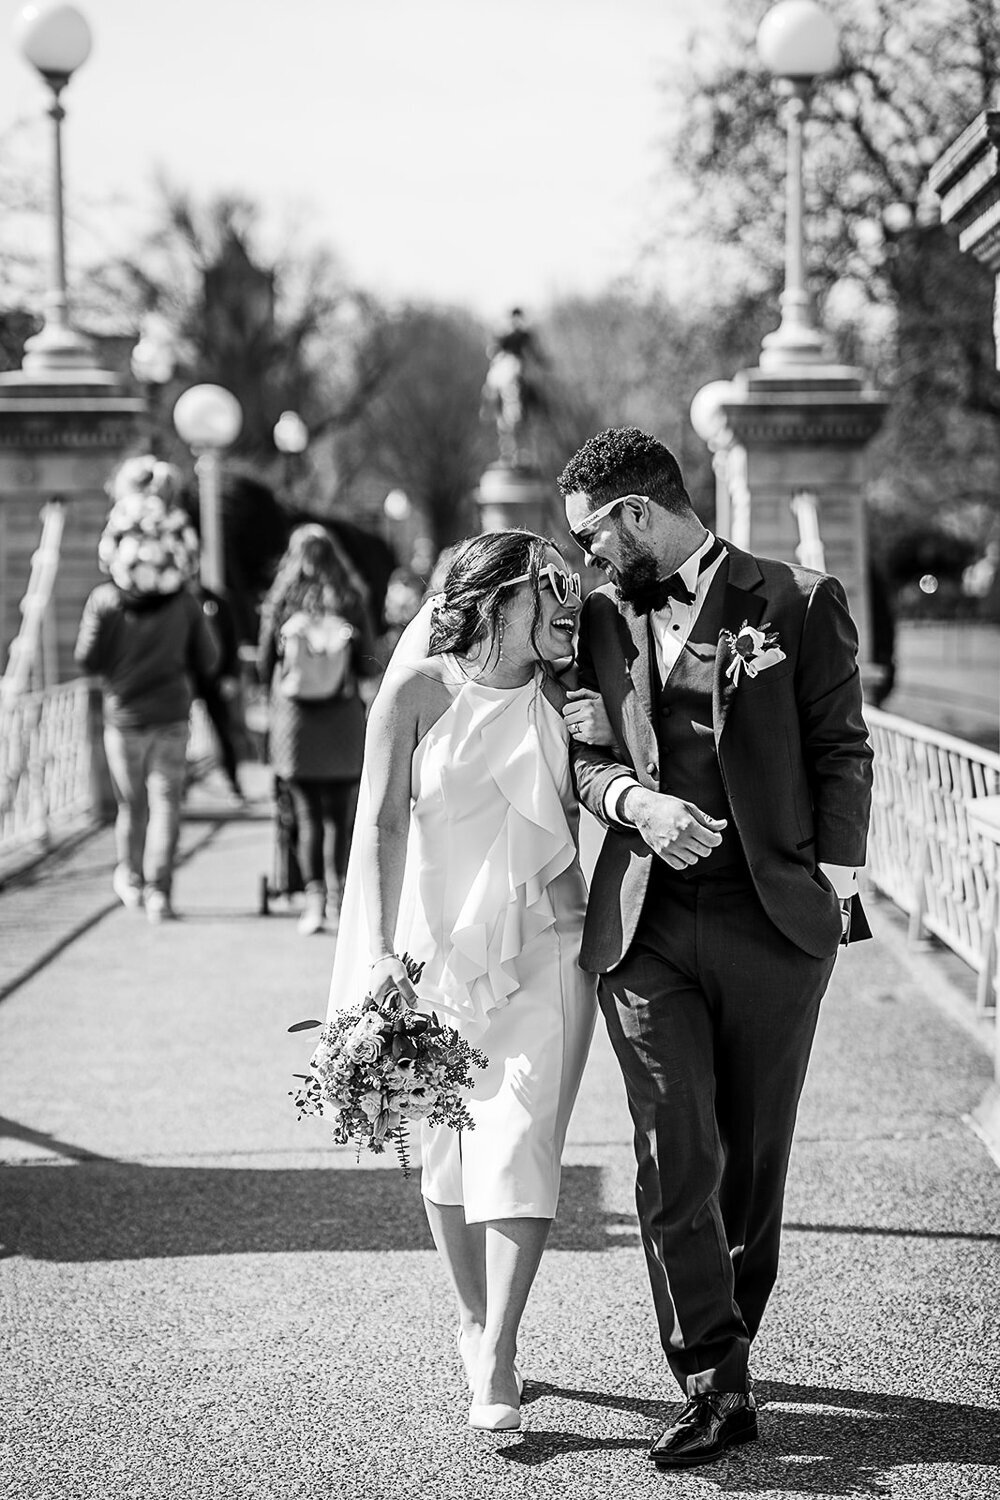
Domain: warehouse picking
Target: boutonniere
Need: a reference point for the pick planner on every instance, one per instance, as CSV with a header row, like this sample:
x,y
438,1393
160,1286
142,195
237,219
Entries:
x,y
753,650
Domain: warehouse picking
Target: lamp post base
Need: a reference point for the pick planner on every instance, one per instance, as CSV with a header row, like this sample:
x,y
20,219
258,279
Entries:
x,y
797,340
792,345
60,353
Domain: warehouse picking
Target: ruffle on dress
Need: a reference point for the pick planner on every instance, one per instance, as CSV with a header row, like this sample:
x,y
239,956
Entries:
x,y
523,748
490,831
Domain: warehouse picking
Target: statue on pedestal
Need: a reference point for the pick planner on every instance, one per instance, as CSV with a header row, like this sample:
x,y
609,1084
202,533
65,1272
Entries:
x,y
513,392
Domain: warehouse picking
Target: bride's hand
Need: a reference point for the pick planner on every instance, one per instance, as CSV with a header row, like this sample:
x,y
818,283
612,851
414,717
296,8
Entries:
x,y
389,974
586,718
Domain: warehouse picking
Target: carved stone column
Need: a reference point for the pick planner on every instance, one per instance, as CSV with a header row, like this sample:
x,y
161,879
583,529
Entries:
x,y
60,437
797,437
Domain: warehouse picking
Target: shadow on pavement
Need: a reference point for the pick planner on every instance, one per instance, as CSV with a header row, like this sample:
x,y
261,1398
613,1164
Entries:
x,y
12,1130
984,1236
116,1210
815,1440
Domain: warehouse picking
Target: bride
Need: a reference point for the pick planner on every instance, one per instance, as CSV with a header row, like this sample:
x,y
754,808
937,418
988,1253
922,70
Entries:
x,y
465,857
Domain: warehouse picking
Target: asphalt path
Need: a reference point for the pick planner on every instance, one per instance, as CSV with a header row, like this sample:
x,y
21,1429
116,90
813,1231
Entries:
x,y
202,1299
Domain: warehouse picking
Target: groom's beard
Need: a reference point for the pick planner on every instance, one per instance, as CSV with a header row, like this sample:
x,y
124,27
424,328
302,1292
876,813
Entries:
x,y
639,583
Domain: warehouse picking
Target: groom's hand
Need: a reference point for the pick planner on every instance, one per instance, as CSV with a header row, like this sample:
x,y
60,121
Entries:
x,y
677,832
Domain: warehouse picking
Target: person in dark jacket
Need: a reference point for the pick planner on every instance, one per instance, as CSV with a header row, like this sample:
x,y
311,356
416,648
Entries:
x,y
144,634
316,744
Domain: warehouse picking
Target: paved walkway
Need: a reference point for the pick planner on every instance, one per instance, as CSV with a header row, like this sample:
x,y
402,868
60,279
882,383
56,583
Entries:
x,y
202,1299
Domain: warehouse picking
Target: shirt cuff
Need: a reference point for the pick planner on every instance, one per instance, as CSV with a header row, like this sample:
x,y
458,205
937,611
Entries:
x,y
843,878
612,792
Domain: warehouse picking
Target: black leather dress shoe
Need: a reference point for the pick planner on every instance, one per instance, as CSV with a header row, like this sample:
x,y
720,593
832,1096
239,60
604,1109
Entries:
x,y
708,1425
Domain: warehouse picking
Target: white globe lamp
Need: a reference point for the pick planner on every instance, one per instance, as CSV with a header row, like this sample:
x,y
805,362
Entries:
x,y
209,418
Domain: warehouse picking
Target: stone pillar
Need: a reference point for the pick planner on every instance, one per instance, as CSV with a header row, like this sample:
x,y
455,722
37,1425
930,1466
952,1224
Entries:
x,y
61,435
794,438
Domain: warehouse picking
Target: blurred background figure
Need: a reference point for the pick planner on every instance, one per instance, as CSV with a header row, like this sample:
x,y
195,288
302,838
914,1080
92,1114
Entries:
x,y
316,647
145,635
403,598
220,693
513,392
882,622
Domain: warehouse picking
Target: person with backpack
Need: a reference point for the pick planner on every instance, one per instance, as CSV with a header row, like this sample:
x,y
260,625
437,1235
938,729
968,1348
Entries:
x,y
316,645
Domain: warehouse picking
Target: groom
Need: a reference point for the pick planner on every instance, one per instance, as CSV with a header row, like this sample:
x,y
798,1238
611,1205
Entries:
x,y
737,810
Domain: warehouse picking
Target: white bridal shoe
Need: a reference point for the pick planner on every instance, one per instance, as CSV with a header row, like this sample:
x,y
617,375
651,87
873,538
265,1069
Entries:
x,y
494,1418
517,1374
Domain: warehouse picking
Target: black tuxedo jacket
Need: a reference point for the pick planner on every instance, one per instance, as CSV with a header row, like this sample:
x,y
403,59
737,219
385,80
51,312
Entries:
x,y
792,746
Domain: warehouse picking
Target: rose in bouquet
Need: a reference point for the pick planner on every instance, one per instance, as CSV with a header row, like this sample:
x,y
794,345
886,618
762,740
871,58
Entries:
x,y
377,1068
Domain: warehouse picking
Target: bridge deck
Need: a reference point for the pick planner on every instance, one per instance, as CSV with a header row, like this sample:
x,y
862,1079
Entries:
x,y
200,1297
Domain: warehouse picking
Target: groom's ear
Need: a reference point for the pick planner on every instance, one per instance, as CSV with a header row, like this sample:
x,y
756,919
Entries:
x,y
638,508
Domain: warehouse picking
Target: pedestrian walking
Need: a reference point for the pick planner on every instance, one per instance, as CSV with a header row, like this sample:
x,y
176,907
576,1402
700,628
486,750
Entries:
x,y
144,635
316,647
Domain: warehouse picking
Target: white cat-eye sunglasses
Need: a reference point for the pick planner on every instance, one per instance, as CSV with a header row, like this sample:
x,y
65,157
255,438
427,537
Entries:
x,y
560,582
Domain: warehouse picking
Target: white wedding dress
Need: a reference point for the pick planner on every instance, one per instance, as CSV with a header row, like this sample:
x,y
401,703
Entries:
x,y
493,903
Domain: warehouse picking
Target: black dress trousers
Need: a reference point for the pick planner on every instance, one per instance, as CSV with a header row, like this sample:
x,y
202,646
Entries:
x,y
712,1015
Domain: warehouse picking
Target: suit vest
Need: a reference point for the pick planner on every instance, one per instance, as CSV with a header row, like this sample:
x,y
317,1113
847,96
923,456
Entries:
x,y
689,763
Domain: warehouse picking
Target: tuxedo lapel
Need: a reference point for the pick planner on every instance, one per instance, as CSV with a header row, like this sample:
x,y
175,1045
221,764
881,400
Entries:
x,y
742,604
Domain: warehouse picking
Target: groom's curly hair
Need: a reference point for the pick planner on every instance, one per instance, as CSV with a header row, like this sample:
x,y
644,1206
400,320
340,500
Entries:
x,y
621,460
476,585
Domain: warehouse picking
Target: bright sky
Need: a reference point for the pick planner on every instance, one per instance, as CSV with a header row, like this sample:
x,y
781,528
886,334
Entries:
x,y
484,152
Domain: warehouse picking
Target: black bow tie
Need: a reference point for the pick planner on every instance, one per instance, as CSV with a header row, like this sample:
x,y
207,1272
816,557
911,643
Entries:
x,y
674,587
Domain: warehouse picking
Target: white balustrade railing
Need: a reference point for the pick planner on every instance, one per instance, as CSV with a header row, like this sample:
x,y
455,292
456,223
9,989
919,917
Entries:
x,y
46,788
923,852
53,777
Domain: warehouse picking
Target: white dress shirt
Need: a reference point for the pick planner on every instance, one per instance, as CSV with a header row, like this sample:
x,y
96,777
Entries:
x,y
671,628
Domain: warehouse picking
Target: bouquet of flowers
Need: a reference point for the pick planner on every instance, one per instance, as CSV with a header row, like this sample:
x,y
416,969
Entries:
x,y
378,1068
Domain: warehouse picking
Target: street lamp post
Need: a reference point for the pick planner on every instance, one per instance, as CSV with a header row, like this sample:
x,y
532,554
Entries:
x,y
208,418
56,41
291,438
798,42
794,428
